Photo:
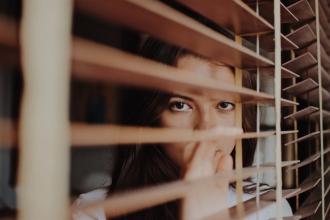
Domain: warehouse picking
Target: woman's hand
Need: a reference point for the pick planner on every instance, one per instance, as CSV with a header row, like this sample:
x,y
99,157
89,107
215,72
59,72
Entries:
x,y
204,201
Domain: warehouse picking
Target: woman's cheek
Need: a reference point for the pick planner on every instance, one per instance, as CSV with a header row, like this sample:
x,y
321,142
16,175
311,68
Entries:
x,y
180,153
177,119
226,144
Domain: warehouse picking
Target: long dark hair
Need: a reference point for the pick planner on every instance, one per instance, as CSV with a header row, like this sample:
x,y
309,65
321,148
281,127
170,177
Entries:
x,y
145,165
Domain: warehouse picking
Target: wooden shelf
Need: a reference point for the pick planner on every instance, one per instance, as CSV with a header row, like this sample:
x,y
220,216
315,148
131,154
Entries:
x,y
310,135
301,87
314,195
327,210
326,151
303,113
313,97
312,73
327,171
325,5
267,42
302,36
285,73
286,194
312,48
302,10
327,191
175,28
309,184
309,210
325,60
324,22
301,63
316,115
283,164
287,16
324,40
231,14
246,210
266,9
305,162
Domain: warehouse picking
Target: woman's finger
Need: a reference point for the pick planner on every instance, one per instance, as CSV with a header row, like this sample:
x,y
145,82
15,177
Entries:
x,y
201,163
225,163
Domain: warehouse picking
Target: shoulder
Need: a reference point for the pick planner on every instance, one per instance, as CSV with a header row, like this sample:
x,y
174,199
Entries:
x,y
268,210
86,199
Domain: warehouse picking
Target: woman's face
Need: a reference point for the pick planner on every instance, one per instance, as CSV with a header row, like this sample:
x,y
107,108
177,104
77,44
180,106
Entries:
x,y
200,111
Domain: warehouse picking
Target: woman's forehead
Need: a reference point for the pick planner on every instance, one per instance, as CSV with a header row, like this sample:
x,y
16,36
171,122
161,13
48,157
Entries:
x,y
205,96
203,68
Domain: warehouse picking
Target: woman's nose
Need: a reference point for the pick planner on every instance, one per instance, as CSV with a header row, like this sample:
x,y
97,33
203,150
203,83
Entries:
x,y
205,120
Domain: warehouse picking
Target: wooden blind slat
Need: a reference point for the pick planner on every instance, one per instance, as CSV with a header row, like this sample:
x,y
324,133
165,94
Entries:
x,y
308,185
306,161
316,115
324,20
283,163
121,203
98,62
249,208
301,87
302,10
286,194
312,48
302,114
202,40
327,170
302,36
312,72
313,97
307,211
324,40
305,137
286,73
267,11
325,58
327,210
89,135
267,42
232,14
301,63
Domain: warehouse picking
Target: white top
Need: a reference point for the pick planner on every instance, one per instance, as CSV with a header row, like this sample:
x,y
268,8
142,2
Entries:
x,y
100,195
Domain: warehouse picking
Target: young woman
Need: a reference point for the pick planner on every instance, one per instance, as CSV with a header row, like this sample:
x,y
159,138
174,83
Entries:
x,y
145,165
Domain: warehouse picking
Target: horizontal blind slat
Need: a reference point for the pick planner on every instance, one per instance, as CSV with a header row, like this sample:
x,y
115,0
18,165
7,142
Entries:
x,y
232,14
201,40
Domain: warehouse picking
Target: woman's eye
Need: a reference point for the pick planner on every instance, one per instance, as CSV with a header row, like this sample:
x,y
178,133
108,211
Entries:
x,y
226,106
179,106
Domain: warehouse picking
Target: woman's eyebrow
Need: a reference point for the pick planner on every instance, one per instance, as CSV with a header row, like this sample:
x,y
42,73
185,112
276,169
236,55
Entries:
x,y
183,97
223,99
